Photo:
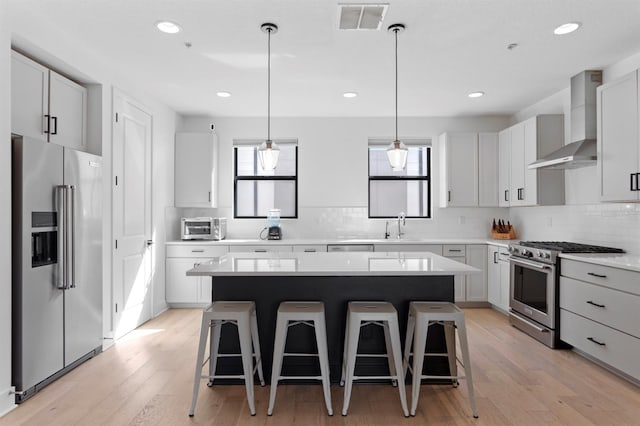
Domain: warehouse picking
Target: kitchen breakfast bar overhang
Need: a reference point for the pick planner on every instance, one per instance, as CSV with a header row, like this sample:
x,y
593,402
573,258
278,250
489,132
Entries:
x,y
335,279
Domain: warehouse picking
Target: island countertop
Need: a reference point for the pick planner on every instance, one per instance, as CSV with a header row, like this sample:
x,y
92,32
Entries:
x,y
331,264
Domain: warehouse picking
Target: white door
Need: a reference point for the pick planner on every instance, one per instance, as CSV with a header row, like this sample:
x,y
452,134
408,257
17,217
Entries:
x,y
462,169
131,215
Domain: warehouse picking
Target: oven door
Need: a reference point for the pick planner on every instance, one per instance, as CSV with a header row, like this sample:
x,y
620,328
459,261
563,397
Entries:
x,y
532,290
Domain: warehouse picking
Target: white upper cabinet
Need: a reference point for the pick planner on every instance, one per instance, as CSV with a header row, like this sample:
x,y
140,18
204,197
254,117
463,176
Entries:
x,y
460,171
618,139
196,170
45,105
468,169
528,141
68,110
488,170
504,167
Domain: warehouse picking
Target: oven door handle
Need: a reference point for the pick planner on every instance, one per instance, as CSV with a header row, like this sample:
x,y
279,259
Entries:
x,y
530,264
529,323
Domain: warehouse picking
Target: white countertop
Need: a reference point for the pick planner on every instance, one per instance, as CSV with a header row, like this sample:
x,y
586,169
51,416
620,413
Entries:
x,y
325,241
622,261
331,264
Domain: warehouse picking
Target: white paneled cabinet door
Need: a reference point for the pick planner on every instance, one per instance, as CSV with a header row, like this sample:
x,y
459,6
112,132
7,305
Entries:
x,y
505,279
618,142
195,170
493,276
131,215
459,283
29,98
529,192
476,284
488,169
68,111
504,167
516,186
461,169
181,288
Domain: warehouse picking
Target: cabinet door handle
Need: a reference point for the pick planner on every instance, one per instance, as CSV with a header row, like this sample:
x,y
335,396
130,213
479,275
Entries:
x,y
631,179
197,251
593,274
591,339
47,123
591,302
209,196
637,179
495,257
506,195
55,125
309,250
449,196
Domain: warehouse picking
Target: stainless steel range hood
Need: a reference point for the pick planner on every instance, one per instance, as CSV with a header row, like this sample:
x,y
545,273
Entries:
x,y
581,152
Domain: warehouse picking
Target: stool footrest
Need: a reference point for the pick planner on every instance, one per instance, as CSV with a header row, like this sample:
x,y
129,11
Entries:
x,y
444,377
299,377
372,355
375,377
223,376
299,354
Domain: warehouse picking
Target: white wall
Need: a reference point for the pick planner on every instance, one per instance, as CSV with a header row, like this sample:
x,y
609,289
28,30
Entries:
x,y
38,36
6,399
584,219
333,188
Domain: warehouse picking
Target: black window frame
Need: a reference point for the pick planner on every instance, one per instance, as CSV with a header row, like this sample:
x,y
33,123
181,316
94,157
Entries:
x,y
426,178
237,178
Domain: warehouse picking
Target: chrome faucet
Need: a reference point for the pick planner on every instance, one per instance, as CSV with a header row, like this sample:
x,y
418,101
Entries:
x,y
386,230
401,218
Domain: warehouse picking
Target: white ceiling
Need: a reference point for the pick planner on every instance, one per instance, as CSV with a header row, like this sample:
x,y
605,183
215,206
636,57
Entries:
x,y
450,48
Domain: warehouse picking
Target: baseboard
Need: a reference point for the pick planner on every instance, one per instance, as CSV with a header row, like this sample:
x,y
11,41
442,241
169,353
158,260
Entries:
x,y
473,304
7,401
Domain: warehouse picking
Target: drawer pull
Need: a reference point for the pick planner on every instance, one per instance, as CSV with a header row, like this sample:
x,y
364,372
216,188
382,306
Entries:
x,y
260,251
591,302
593,274
309,250
591,339
197,251
455,250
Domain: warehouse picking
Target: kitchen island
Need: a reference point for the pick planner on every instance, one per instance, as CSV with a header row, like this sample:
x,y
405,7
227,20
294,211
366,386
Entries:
x,y
335,279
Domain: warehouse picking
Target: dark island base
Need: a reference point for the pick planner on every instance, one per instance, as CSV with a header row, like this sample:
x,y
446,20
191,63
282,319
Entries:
x,y
335,292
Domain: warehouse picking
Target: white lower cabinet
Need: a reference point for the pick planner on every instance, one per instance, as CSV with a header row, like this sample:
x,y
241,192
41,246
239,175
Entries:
x,y
498,277
184,291
473,287
598,313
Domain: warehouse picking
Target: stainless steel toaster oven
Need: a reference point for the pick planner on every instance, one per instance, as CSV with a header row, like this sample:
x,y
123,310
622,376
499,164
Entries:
x,y
203,228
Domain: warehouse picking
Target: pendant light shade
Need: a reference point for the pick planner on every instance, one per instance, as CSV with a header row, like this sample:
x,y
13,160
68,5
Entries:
x,y
397,151
268,152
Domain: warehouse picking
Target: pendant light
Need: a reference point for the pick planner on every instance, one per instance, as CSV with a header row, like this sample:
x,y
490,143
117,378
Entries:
x,y
268,151
397,151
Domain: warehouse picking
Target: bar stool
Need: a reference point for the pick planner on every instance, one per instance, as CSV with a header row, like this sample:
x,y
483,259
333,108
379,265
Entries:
x,y
243,315
383,314
421,316
296,313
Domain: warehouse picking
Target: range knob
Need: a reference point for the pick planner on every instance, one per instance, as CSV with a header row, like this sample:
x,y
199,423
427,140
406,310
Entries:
x,y
527,253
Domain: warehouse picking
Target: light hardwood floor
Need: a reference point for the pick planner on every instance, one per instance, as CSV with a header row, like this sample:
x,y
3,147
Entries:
x,y
146,379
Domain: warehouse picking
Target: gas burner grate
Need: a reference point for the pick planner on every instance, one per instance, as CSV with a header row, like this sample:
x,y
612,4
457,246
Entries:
x,y
567,247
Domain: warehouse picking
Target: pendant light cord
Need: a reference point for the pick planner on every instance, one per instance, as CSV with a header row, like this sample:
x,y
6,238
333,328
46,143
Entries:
x,y
269,87
395,31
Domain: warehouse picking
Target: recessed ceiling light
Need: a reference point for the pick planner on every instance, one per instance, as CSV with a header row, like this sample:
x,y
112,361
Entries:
x,y
349,94
224,94
168,27
567,28
475,94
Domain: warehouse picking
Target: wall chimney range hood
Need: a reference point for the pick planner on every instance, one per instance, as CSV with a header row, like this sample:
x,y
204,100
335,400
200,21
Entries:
x,y
581,152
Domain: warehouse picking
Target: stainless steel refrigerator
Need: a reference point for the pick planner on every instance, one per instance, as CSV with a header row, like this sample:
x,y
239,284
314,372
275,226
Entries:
x,y
57,262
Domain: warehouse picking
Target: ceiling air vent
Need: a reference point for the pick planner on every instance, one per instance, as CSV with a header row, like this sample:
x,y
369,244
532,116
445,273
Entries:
x,y
361,16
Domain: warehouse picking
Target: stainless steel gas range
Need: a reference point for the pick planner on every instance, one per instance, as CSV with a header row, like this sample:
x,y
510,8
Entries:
x,y
533,293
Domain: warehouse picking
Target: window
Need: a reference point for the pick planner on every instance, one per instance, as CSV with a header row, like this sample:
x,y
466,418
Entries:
x,y
407,191
256,190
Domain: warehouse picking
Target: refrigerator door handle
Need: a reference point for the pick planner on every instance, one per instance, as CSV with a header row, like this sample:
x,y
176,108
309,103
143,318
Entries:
x,y
61,202
71,239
